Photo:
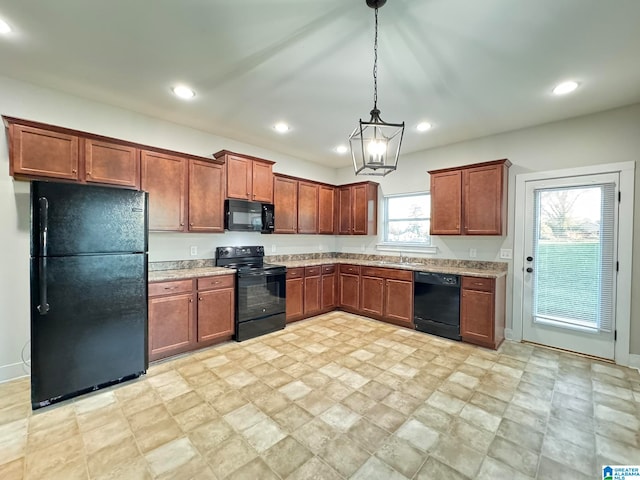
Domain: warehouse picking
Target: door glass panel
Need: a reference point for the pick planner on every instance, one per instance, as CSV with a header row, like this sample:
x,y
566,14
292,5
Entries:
x,y
574,254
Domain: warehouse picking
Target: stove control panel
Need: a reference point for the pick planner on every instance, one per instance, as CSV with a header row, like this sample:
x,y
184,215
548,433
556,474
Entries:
x,y
240,252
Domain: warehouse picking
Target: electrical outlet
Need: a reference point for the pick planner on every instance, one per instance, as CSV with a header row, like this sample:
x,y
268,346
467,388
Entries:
x,y
363,247
506,253
194,250
473,253
273,249
320,247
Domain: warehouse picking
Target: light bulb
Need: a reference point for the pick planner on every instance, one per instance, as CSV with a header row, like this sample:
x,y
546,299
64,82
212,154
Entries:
x,y
376,149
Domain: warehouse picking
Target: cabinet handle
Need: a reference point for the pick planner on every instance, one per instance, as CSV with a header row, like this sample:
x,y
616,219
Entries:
x,y
200,298
74,171
191,300
88,174
182,224
191,224
169,288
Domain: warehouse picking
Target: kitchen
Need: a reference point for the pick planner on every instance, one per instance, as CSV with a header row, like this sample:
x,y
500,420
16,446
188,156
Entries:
x,y
586,140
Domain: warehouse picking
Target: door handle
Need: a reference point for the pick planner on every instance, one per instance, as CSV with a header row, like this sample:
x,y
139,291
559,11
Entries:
x,y
44,224
43,307
529,270
529,259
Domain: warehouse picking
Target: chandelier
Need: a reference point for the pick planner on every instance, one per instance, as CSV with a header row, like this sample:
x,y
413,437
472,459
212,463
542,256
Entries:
x,y
375,144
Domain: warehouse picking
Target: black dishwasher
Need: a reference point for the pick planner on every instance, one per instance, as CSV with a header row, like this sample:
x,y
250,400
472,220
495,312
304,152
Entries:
x,y
436,304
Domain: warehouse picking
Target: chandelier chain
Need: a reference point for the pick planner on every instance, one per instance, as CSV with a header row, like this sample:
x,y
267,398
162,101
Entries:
x,y
375,65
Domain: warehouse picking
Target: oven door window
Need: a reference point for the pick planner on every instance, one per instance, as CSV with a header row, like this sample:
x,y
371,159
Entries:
x,y
260,295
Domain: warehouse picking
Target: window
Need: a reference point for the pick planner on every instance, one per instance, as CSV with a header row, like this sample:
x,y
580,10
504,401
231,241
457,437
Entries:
x,y
407,219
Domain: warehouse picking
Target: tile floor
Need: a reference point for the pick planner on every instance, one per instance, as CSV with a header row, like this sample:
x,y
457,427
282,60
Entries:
x,y
335,397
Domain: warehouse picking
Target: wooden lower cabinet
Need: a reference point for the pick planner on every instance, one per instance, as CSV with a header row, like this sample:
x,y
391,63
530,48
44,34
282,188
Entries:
x,y
482,311
295,294
349,288
398,301
216,308
387,294
178,323
312,291
372,296
329,287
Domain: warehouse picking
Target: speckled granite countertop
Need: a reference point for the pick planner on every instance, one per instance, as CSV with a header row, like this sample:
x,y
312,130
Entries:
x,y
414,266
185,269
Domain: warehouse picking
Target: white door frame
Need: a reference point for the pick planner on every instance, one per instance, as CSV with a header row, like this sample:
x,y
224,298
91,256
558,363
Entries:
x,y
625,247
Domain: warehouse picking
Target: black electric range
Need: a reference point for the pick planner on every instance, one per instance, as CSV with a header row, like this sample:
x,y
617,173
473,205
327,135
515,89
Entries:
x,y
260,291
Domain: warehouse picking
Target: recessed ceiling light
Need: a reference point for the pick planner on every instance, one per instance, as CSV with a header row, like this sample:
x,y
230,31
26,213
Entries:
x,y
4,27
565,87
341,149
183,91
281,127
423,126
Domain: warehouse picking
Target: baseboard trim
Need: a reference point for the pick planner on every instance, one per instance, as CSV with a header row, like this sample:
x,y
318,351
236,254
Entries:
x,y
634,361
13,371
508,334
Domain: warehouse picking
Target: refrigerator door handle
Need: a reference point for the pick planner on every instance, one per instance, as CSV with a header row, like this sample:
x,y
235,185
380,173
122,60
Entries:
x,y
44,224
43,308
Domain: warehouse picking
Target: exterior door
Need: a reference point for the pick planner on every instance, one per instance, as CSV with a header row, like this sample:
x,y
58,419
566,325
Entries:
x,y
570,264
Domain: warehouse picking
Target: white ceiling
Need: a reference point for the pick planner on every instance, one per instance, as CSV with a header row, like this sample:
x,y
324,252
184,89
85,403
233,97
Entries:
x,y
470,67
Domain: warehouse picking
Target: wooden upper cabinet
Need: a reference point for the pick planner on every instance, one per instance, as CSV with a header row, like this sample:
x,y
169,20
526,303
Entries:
x,y
239,177
165,178
470,200
248,178
446,203
111,163
38,152
307,207
344,211
358,209
285,204
326,210
485,199
262,182
206,197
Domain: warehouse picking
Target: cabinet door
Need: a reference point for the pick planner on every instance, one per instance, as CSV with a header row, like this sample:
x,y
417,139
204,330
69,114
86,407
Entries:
x,y
372,296
206,197
307,207
295,299
216,314
286,205
41,153
345,214
359,206
349,291
165,178
329,291
446,206
398,301
239,177
170,325
262,182
477,317
483,200
326,210
312,295
111,163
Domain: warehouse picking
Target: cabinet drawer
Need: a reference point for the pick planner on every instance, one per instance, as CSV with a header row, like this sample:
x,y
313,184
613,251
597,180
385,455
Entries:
x,y
478,283
220,281
297,272
354,269
312,271
373,272
169,288
326,269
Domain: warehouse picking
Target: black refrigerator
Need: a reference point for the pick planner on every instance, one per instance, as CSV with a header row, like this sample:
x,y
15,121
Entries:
x,y
88,289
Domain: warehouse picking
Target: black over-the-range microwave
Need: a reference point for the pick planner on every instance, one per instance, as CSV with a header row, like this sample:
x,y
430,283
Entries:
x,y
245,216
